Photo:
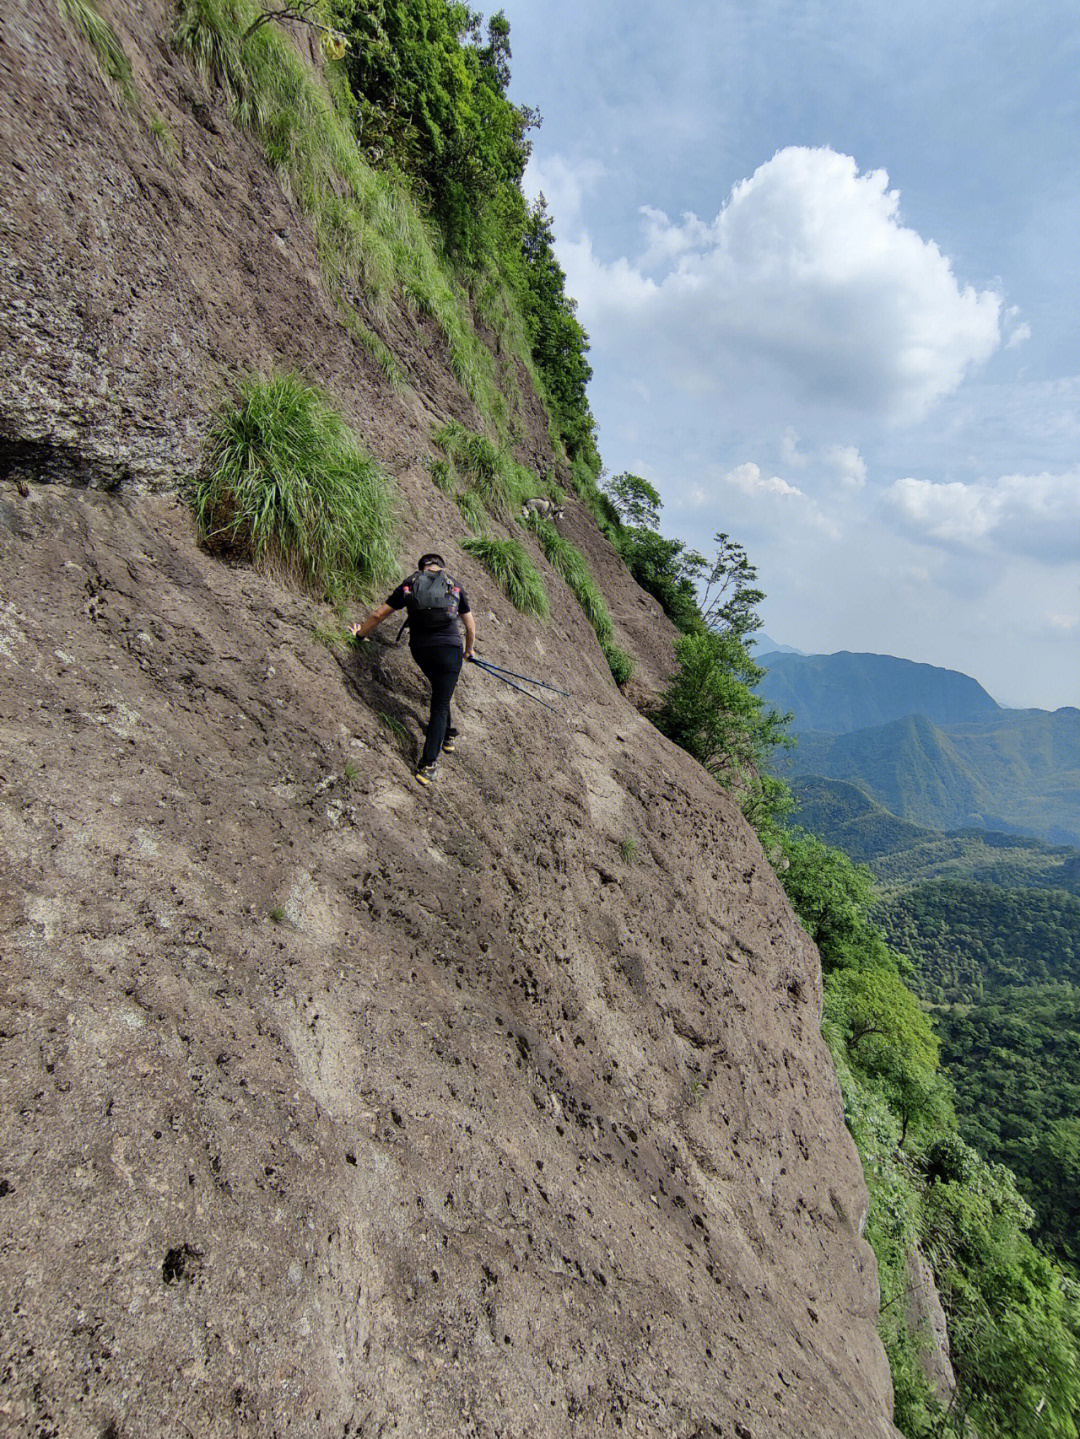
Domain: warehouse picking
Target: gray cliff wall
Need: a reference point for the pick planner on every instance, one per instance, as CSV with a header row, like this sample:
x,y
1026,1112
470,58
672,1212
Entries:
x,y
485,1131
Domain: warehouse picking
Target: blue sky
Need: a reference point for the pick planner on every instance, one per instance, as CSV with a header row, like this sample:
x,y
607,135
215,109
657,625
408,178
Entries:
x,y
827,258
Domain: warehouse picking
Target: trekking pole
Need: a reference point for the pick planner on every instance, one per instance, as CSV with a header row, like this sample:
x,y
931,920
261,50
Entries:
x,y
498,670
495,675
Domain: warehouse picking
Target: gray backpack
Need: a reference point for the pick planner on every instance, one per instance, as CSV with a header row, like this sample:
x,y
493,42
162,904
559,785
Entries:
x,y
435,597
436,594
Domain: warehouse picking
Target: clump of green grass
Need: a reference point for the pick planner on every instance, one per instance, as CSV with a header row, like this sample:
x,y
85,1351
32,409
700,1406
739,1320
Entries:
x,y
105,43
331,635
351,773
596,501
277,914
368,229
485,470
473,511
628,848
574,568
399,733
163,135
620,663
568,560
375,346
285,482
510,567
443,476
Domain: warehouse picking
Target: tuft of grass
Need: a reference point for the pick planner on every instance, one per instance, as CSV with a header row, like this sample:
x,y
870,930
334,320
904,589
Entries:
x,y
331,635
285,482
376,347
510,567
166,140
628,848
620,663
368,228
277,914
568,560
443,477
105,43
473,511
488,472
574,568
400,734
351,773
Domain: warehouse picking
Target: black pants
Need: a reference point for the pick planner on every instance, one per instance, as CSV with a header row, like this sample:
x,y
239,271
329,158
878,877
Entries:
x,y
442,665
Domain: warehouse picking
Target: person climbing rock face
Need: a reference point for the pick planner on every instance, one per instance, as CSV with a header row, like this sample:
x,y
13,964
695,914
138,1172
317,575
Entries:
x,y
437,608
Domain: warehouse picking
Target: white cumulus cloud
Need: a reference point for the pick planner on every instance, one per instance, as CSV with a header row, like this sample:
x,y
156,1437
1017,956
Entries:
x,y
1036,515
807,283
563,184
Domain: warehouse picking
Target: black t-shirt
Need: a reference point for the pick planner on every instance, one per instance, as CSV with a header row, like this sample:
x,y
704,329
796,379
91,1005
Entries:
x,y
429,628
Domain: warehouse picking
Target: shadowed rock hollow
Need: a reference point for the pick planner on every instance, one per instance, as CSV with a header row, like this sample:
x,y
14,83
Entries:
x,y
329,1106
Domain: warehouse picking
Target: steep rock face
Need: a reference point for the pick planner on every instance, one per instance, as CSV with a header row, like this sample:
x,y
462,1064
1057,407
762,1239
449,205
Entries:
x,y
329,1106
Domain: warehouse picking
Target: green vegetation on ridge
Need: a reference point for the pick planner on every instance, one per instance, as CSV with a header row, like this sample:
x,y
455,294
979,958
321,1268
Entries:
x,y
1014,1318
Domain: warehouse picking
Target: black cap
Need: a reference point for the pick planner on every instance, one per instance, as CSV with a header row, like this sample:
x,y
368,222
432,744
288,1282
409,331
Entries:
x,y
430,560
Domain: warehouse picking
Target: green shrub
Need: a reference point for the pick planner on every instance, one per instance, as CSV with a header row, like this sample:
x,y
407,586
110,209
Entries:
x,y
285,482
710,710
516,575
620,663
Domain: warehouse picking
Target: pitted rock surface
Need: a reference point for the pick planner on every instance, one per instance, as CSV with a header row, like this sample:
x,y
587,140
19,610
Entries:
x,y
330,1106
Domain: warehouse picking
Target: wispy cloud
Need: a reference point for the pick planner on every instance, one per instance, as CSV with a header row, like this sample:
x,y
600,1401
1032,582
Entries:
x,y
847,464
751,481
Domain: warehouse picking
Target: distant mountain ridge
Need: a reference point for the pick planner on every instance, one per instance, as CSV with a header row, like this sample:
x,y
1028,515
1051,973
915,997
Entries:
x,y
839,693
1017,772
930,744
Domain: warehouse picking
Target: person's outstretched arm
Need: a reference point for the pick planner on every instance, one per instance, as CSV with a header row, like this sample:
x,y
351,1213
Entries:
x,y
372,623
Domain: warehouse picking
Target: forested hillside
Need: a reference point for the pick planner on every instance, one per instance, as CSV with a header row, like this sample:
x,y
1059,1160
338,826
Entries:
x,y
968,940
1018,771
901,853
1015,1061
990,927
